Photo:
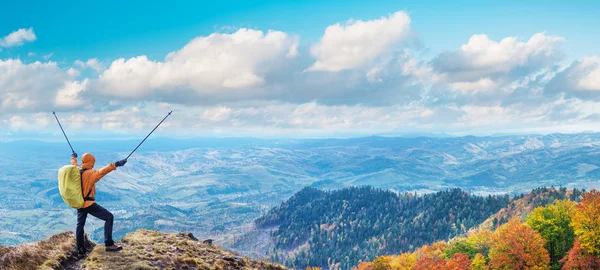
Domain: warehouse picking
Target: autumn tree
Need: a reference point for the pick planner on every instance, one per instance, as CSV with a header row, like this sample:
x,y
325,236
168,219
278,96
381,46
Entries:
x,y
382,263
365,266
478,262
577,259
405,261
459,261
552,222
459,245
481,240
434,250
427,263
586,222
517,246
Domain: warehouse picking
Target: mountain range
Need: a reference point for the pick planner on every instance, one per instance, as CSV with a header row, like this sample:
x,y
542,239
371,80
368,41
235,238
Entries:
x,y
218,187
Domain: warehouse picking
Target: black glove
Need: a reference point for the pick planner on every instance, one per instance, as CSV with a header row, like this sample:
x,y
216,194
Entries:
x,y
74,155
120,162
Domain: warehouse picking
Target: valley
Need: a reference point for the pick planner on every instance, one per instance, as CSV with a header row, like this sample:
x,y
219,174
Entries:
x,y
215,188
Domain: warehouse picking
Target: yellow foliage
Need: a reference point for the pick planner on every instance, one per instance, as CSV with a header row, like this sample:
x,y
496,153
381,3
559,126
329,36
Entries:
x,y
403,262
478,262
586,222
480,239
382,263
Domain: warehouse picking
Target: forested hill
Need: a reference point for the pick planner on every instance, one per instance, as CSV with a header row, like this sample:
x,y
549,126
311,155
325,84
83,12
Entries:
x,y
356,224
523,204
560,234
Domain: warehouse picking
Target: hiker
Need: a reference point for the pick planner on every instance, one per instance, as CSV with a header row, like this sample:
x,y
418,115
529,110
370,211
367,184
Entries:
x,y
89,178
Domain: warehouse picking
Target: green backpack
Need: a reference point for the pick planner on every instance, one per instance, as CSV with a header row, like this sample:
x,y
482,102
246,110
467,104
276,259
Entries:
x,y
70,186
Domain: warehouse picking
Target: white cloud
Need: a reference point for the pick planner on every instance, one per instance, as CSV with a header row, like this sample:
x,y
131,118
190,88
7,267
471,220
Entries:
x,y
254,83
358,42
588,70
216,114
484,84
17,122
27,87
92,63
581,79
69,95
206,66
314,119
73,72
482,57
32,87
18,38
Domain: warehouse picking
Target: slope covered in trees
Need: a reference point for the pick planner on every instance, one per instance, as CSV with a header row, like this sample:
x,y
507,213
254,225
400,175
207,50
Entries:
x,y
561,235
342,227
521,205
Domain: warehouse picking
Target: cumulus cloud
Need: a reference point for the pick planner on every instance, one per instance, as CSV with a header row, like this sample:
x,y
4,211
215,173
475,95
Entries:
x,y
18,38
581,79
355,43
482,58
33,87
69,95
361,77
212,65
26,87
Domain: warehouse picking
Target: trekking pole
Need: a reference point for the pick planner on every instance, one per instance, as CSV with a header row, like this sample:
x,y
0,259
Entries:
x,y
63,131
148,135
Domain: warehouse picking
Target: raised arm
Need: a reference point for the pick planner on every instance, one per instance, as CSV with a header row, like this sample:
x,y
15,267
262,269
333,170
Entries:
x,y
98,174
109,168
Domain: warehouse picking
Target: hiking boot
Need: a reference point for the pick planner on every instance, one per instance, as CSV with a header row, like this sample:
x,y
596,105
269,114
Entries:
x,y
80,255
113,248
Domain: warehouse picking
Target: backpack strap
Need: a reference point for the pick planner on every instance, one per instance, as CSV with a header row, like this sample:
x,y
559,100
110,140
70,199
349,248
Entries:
x,y
87,197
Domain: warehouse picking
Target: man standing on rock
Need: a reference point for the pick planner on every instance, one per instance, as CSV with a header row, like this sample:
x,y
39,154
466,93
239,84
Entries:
x,y
89,178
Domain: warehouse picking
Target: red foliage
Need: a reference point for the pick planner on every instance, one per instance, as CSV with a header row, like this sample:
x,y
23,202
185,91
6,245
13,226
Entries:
x,y
459,261
576,259
517,246
430,263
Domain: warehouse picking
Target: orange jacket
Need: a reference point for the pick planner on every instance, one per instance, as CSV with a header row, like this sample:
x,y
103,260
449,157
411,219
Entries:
x,y
91,177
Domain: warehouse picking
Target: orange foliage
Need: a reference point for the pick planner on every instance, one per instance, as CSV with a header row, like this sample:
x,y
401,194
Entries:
x,y
365,266
313,268
576,259
435,250
430,263
460,261
586,222
517,246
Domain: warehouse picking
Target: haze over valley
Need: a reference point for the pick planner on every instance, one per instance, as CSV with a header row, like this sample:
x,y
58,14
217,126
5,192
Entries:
x,y
216,187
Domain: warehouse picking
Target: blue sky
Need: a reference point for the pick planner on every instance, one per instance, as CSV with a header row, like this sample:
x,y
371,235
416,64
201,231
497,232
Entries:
x,y
112,29
289,78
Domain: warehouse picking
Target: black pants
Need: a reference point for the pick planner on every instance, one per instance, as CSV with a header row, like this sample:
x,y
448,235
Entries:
x,y
99,212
